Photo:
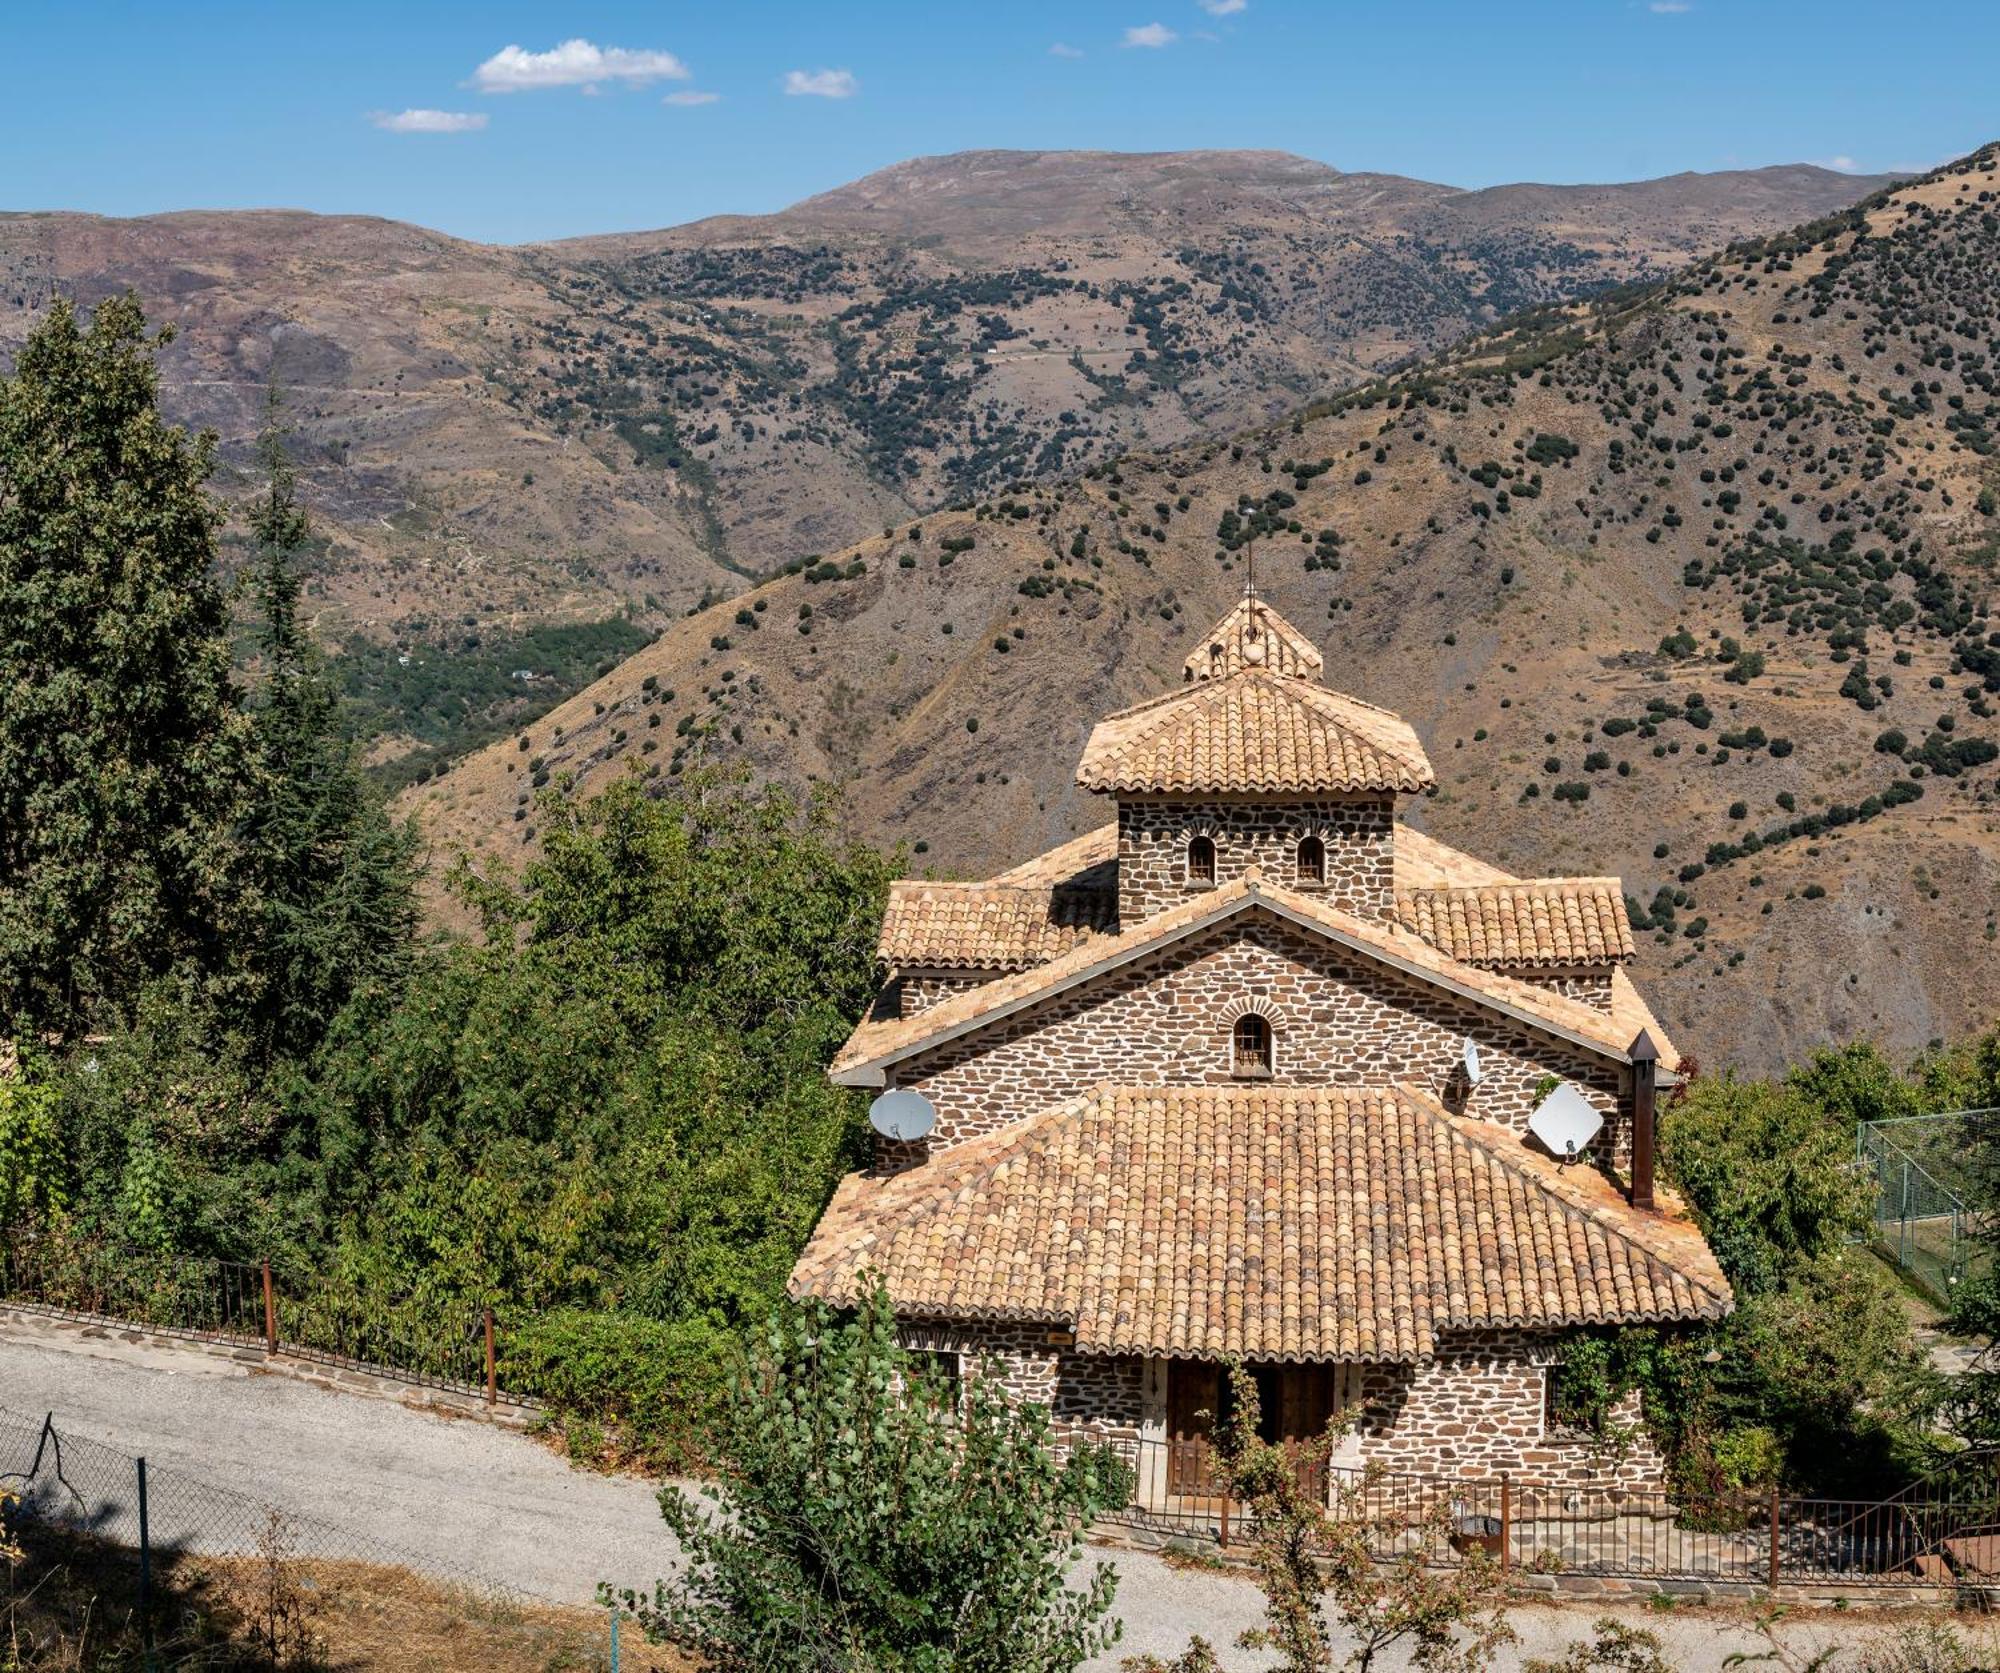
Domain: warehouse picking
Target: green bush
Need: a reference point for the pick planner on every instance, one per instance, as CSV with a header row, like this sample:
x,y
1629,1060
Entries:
x,y
649,1389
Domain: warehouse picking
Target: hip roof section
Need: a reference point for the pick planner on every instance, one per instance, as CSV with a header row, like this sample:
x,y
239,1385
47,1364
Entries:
x,y
1296,1223
1254,733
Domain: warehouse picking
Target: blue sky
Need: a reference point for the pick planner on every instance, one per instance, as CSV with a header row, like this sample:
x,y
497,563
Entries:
x,y
658,113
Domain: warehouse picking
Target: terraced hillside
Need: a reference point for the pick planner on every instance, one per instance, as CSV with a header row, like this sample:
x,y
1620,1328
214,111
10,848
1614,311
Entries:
x,y
524,461
1690,582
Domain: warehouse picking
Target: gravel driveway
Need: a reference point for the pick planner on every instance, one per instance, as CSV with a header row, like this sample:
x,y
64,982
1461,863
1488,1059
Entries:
x,y
500,1505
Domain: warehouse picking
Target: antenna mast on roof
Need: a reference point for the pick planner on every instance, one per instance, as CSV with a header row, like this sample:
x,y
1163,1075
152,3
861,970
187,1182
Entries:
x,y
1252,630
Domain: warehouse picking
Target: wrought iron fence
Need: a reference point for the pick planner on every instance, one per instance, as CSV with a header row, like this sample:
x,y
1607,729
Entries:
x,y
1924,1190
448,1347
1942,1530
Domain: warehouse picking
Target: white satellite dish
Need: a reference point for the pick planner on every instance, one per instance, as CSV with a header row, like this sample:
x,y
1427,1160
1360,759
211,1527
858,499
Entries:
x,y
902,1115
1565,1121
1470,1058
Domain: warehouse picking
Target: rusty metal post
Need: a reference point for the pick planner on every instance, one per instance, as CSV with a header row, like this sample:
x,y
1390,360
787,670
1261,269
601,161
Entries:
x,y
1222,1535
270,1313
1506,1521
492,1376
1775,1510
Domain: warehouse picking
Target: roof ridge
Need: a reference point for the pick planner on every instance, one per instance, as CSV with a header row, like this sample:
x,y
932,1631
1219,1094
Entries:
x,y
1488,1143
1608,879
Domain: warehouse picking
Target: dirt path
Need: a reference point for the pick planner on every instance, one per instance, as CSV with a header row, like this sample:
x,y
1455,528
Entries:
x,y
499,1504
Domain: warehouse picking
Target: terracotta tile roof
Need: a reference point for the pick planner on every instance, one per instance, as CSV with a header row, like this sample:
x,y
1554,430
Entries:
x,y
878,1041
1423,862
1089,861
1270,1222
1548,920
983,926
1254,733
1253,635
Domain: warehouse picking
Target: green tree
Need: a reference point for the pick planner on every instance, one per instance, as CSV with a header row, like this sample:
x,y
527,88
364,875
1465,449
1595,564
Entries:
x,y
335,877
1315,1549
122,746
870,1518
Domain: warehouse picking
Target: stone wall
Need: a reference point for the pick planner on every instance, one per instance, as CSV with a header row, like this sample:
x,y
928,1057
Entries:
x,y
1099,1392
1479,1409
1589,983
919,990
1164,1020
1476,1411
1358,833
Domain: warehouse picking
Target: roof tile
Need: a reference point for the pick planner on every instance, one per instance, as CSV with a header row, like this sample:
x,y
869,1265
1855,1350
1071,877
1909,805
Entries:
x,y
1270,1222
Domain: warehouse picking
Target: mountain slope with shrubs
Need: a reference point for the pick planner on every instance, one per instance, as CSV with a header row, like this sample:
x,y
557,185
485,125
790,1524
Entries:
x,y
1689,583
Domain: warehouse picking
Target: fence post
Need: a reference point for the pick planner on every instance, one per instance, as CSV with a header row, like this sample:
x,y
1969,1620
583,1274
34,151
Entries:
x,y
614,1638
1506,1520
492,1376
1774,1535
270,1314
145,1571
1222,1533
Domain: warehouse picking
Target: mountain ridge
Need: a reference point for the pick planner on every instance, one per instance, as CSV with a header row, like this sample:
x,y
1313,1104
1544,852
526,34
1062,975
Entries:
x,y
1686,583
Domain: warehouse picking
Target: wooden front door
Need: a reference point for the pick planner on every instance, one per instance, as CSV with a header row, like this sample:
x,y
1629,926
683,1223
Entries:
x,y
1194,1401
1295,1405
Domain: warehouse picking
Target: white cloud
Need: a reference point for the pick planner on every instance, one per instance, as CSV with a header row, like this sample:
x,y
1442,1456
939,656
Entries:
x,y
1062,49
1840,165
690,97
1150,34
1223,8
1670,8
821,84
428,121
575,63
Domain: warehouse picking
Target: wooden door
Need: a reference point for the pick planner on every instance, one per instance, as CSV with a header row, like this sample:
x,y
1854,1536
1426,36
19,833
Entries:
x,y
1194,1400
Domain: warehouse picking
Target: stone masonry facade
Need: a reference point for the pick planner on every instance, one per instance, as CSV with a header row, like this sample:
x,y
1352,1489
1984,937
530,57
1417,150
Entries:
x,y
1358,834
1476,1411
1336,1020
1480,1409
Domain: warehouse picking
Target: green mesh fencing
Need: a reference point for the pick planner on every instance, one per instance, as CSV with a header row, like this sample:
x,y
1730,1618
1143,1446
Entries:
x,y
1926,1191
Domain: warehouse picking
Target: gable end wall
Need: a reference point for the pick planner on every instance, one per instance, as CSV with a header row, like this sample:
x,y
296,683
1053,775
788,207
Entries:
x,y
1164,1020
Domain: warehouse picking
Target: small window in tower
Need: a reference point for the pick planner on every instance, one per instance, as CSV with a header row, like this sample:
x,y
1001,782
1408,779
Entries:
x,y
1201,860
1250,1047
1312,860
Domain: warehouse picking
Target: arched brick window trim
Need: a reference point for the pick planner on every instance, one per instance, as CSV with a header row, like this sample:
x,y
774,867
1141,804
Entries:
x,y
1268,1019
1311,868
1252,1047
1200,862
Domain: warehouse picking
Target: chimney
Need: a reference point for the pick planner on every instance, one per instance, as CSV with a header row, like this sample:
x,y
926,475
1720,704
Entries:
x,y
1645,1068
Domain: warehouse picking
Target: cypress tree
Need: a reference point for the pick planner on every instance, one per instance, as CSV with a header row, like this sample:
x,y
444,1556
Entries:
x,y
122,743
336,896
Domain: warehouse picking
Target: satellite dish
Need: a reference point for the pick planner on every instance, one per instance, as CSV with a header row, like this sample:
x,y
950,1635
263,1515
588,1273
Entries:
x,y
902,1115
1565,1121
1470,1058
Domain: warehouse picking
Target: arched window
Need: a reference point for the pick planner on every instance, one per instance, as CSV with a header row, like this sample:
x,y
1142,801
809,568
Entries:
x,y
1312,860
1201,859
1250,1047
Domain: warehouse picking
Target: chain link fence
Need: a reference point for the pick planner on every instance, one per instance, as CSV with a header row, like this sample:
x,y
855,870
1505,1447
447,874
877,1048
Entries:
x,y
1926,1192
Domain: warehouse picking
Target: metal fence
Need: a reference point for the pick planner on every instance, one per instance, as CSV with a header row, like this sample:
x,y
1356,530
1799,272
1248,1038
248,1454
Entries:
x,y
1925,1191
67,1481
1942,1530
455,1349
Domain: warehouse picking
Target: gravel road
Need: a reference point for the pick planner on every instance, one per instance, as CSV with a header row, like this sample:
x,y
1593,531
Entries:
x,y
502,1506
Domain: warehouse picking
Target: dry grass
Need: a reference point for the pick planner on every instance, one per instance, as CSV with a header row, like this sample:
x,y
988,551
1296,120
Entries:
x,y
72,1604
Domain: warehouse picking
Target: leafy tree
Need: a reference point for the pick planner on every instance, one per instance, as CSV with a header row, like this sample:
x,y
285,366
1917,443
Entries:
x,y
122,747
336,883
873,1518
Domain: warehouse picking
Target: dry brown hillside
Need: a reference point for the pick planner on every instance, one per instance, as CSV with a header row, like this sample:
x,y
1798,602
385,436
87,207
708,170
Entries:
x,y
603,433
1690,583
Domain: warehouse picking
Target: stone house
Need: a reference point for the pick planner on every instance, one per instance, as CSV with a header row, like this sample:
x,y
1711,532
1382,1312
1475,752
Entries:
x,y
1203,1091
